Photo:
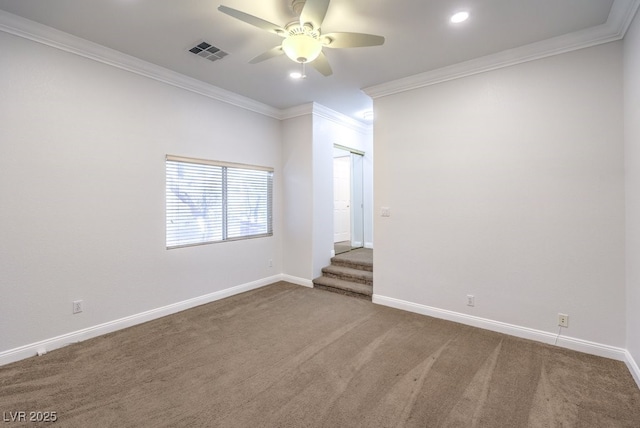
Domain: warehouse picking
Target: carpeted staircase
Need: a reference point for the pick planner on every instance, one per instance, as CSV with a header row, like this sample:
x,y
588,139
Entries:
x,y
350,273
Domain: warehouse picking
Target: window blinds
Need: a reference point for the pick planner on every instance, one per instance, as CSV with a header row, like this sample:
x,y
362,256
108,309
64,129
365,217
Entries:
x,y
211,201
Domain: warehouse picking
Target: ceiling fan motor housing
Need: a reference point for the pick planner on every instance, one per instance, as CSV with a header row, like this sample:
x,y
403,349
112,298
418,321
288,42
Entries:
x,y
297,5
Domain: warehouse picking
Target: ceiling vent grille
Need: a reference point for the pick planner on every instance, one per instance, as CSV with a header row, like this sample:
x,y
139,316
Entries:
x,y
208,51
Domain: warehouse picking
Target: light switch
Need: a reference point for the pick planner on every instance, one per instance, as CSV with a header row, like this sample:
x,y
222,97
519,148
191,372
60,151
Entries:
x,y
386,212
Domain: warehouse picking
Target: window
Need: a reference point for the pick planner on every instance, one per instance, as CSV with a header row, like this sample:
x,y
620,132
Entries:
x,y
211,201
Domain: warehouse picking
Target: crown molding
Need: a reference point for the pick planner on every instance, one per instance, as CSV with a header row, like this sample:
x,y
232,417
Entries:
x,y
341,119
319,110
620,17
297,111
57,39
43,34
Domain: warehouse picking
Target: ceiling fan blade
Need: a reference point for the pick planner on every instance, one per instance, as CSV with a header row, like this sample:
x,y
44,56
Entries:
x,y
314,12
267,55
352,40
253,20
322,65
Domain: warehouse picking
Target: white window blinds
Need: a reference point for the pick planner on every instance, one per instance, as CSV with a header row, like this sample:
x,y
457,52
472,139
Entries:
x,y
211,201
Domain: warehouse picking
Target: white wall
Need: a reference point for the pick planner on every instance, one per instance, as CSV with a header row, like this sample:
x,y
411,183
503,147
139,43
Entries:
x,y
297,161
307,159
326,133
323,141
632,166
82,192
508,185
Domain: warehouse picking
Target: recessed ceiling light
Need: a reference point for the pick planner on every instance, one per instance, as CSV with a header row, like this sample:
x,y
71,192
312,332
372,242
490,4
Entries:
x,y
459,17
365,114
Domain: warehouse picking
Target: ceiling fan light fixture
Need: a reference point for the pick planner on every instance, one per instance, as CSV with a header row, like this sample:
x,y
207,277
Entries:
x,y
303,41
302,47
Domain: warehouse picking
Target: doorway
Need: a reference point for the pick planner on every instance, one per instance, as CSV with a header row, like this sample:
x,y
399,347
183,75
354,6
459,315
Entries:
x,y
348,199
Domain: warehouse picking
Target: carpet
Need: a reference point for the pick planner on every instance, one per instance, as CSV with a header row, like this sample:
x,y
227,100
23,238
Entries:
x,y
342,247
290,356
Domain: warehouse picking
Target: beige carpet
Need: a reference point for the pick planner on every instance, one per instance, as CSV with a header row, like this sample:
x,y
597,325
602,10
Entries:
x,y
342,247
289,356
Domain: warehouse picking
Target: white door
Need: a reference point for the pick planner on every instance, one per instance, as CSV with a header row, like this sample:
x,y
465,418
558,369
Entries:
x,y
342,199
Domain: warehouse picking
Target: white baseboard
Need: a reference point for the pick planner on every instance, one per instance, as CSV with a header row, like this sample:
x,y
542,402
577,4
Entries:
x,y
580,345
296,280
633,367
46,345
368,245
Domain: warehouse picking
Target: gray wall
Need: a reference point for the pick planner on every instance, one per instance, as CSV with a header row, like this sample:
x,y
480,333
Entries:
x,y
83,198
508,185
632,164
82,184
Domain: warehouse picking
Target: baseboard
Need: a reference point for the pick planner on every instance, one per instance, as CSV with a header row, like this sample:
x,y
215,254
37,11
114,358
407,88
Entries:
x,y
368,245
633,367
580,345
296,280
46,345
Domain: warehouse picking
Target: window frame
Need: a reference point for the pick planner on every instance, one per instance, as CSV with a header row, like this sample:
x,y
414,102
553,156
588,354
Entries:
x,y
225,198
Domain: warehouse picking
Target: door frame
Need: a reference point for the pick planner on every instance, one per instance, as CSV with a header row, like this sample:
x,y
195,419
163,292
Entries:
x,y
356,226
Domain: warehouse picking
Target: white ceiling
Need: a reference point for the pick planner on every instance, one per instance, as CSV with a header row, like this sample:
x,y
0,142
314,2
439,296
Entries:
x,y
419,38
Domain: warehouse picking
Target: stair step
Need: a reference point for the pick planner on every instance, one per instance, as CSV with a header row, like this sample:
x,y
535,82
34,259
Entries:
x,y
344,287
348,274
354,264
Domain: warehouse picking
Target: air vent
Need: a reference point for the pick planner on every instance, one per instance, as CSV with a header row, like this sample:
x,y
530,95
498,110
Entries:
x,y
208,51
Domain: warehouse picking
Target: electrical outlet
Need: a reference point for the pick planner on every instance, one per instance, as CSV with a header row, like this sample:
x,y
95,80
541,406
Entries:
x,y
77,306
471,300
270,263
563,320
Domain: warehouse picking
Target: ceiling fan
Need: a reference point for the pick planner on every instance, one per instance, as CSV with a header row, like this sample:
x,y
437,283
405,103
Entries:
x,y
303,39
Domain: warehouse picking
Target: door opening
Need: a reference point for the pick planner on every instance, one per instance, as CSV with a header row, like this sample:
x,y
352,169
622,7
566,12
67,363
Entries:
x,y
348,199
